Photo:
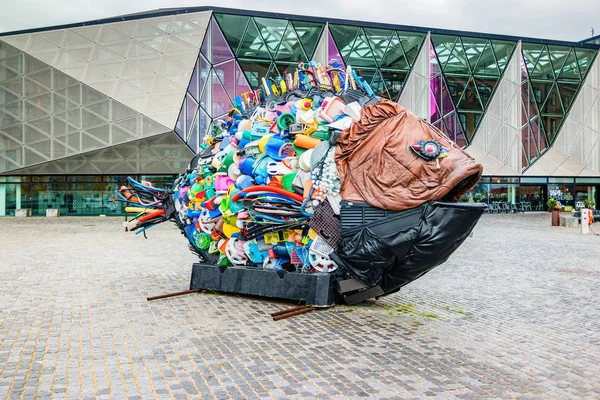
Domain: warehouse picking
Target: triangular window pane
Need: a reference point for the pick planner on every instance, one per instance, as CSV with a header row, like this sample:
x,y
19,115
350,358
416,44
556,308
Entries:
x,y
543,68
15,132
204,124
503,50
485,88
32,157
253,45
333,54
290,48
487,62
194,87
470,99
378,85
570,70
531,54
272,31
567,94
205,49
473,48
456,87
558,56
394,57
361,54
90,143
411,43
108,35
552,102
379,39
220,48
309,34
226,75
101,133
254,71
191,108
443,45
221,103
234,27
457,62
241,83
584,59
180,125
551,124
344,37
203,73
206,102
192,139
394,82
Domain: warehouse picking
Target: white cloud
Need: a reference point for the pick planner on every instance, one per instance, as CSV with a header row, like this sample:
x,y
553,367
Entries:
x,y
550,19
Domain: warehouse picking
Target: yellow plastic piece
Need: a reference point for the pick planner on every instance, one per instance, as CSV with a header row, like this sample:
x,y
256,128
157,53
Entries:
x,y
262,143
312,234
271,238
139,210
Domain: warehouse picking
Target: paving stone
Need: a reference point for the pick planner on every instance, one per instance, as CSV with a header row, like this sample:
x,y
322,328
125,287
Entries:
x,y
513,313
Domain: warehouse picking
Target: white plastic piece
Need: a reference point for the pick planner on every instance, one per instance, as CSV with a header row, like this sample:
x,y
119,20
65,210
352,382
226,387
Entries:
x,y
320,262
352,110
342,124
233,254
585,220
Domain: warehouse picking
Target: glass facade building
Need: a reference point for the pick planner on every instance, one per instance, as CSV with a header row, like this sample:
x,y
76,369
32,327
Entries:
x,y
84,105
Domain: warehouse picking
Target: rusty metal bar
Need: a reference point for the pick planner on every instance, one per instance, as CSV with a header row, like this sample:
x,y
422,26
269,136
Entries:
x,y
291,314
164,296
287,311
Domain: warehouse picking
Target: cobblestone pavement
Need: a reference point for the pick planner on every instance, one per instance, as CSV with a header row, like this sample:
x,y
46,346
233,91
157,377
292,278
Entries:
x,y
514,313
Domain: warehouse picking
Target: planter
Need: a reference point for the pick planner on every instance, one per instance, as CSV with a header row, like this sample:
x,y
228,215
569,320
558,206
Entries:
x,y
555,218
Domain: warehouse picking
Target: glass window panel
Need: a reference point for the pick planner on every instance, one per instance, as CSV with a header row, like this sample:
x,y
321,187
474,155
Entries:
x,y
43,147
548,93
191,108
361,54
43,77
253,45
394,82
570,69
221,103
487,62
33,135
309,34
132,124
205,49
15,63
290,48
584,59
203,124
7,73
411,43
90,119
473,48
379,39
457,62
109,35
118,48
220,49
255,70
503,51
33,88
14,132
558,56
344,37
470,98
394,57
43,124
58,150
15,110
180,124
90,143
485,88
32,112
567,94
456,86
101,133
192,139
241,83
233,28
443,46
543,68
333,54
272,31
226,74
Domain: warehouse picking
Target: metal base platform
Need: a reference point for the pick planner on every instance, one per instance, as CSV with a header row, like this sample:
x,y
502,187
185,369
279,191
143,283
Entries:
x,y
314,289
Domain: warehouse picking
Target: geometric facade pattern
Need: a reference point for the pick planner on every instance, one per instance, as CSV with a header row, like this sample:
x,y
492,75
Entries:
x,y
576,149
382,57
467,70
266,47
144,64
555,74
161,154
47,115
497,143
415,95
75,99
216,81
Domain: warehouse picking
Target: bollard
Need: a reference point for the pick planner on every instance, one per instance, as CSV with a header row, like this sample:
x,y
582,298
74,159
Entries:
x,y
585,220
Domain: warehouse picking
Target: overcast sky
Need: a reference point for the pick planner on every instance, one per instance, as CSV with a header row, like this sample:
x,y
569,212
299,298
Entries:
x,y
551,19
